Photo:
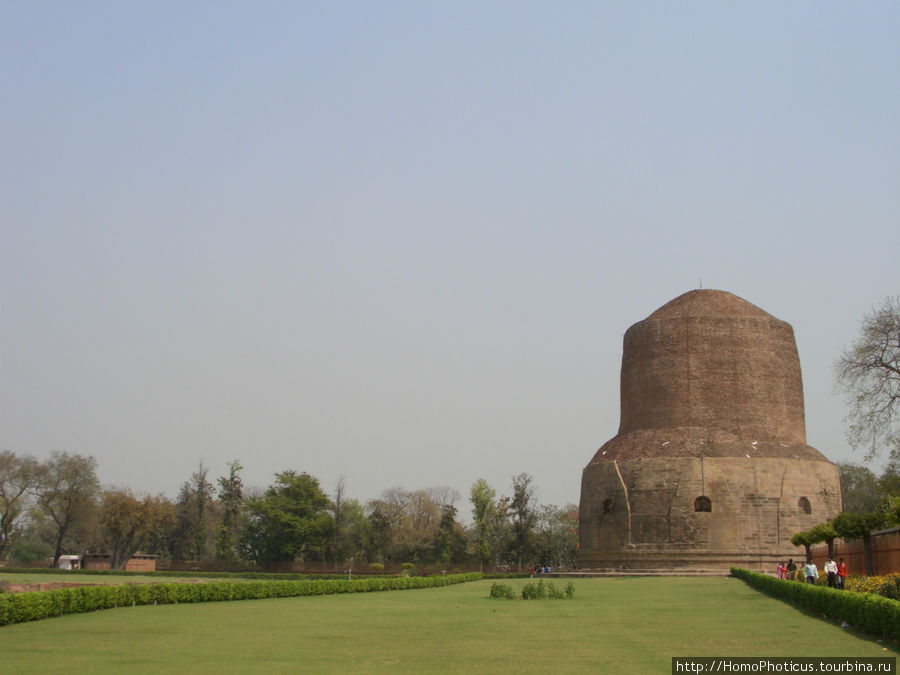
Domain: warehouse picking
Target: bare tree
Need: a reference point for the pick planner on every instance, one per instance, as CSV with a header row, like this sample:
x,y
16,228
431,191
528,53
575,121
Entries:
x,y
869,373
404,523
443,496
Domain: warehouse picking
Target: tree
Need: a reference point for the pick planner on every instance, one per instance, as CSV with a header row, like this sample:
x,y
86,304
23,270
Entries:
x,y
67,492
859,488
824,532
890,507
338,514
557,535
482,497
129,524
194,517
805,540
889,481
443,496
33,539
18,477
287,522
380,526
869,373
350,537
158,541
388,522
422,524
403,523
523,508
355,539
852,526
449,542
500,532
231,497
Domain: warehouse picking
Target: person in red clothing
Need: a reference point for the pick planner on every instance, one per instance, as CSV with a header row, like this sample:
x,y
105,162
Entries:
x,y
841,573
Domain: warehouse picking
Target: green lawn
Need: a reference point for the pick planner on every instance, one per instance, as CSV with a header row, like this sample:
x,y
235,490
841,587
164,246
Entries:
x,y
75,577
611,625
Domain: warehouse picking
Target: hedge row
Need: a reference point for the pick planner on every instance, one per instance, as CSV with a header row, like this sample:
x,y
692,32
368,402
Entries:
x,y
19,607
283,576
871,613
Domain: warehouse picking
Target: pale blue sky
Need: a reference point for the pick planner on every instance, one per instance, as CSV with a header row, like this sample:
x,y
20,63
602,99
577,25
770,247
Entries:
x,y
401,241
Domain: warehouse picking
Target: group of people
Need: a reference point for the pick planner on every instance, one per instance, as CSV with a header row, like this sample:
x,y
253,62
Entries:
x,y
540,569
836,571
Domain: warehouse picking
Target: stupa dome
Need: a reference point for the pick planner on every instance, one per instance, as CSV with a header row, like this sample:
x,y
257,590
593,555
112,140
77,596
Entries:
x,y
711,457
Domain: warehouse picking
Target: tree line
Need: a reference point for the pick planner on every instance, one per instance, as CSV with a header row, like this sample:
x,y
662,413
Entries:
x,y
57,506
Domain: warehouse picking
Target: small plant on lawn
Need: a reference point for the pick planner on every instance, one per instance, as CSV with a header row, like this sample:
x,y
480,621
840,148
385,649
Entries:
x,y
502,592
533,591
408,569
546,591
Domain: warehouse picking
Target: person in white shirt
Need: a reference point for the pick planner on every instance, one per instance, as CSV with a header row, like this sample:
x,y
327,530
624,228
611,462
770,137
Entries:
x,y
831,570
811,571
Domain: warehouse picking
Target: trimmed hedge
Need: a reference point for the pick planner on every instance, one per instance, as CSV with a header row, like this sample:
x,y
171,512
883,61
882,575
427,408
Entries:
x,y
19,607
871,613
281,576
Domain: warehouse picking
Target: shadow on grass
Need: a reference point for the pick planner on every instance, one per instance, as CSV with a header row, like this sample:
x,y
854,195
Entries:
x,y
886,643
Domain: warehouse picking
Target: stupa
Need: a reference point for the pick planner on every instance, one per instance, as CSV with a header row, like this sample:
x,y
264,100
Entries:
x,y
710,467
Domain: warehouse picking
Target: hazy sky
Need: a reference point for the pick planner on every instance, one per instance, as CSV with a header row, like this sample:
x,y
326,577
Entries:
x,y
400,242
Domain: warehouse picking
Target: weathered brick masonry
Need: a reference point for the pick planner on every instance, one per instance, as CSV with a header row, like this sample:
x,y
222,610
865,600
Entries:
x,y
710,467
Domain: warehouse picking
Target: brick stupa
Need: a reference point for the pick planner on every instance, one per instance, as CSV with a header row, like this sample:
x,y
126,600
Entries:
x,y
710,467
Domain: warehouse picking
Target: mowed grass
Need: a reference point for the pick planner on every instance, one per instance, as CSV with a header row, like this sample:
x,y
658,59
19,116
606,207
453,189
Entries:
x,y
611,625
95,579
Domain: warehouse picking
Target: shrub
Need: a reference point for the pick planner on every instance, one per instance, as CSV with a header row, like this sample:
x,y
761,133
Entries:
x,y
546,591
533,591
887,585
376,567
502,591
19,607
553,592
408,569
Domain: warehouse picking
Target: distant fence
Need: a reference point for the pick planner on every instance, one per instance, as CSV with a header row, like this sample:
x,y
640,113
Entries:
x,y
885,553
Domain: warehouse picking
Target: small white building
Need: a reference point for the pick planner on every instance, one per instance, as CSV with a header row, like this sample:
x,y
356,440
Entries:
x,y
69,562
